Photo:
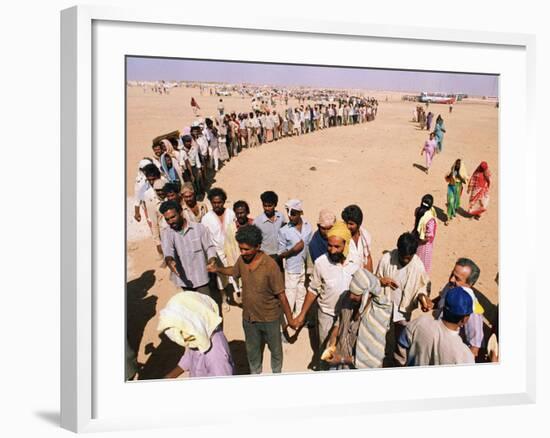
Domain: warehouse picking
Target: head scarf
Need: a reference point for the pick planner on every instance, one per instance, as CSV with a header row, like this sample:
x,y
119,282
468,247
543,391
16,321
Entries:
x,y
189,319
340,229
326,218
171,172
462,172
294,204
168,146
483,166
187,187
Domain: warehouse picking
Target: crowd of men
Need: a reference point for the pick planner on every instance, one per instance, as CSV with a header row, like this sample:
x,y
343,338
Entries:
x,y
287,272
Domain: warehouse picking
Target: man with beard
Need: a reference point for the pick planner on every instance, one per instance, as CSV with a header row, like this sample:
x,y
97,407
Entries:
x,y
404,280
263,299
231,246
269,222
191,163
172,193
332,274
187,249
201,143
193,210
218,222
352,312
158,150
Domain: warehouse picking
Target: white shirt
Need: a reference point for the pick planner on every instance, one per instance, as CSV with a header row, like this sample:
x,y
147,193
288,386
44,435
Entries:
x,y
152,203
360,252
330,280
192,155
211,139
140,187
269,122
202,144
218,229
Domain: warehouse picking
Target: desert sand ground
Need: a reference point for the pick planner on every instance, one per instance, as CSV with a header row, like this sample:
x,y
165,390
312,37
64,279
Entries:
x,y
374,165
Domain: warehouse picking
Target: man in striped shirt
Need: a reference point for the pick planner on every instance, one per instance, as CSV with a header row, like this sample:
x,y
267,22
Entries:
x,y
187,248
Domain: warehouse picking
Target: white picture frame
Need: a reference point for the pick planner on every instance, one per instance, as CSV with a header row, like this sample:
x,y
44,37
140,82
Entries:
x,y
90,363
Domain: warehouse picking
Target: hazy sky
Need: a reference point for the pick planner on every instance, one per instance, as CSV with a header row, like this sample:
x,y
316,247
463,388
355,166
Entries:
x,y
149,69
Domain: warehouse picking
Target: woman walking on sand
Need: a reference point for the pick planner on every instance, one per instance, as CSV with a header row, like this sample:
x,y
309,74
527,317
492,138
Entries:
x,y
195,106
478,188
428,150
429,119
456,179
425,226
439,131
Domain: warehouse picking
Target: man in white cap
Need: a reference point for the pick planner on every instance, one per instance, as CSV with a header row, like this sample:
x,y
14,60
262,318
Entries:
x,y
294,239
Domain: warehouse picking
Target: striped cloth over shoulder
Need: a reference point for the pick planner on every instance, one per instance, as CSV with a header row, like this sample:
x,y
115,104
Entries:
x,y
376,314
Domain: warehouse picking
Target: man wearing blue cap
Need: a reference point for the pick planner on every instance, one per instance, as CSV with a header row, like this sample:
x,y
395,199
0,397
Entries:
x,y
432,341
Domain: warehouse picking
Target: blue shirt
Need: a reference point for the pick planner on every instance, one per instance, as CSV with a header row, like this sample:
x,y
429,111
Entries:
x,y
270,231
290,236
317,246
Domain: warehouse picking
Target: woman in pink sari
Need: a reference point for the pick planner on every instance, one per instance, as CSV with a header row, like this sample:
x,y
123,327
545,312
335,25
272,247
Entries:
x,y
429,150
478,188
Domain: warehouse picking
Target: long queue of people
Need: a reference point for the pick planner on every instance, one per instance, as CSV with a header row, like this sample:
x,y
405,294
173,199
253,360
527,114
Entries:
x,y
287,273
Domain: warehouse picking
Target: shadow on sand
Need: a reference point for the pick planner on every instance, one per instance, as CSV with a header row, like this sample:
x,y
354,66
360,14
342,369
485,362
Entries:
x,y
163,359
420,167
140,308
240,358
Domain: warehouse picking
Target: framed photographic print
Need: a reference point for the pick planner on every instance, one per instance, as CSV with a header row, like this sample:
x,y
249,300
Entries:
x,y
321,208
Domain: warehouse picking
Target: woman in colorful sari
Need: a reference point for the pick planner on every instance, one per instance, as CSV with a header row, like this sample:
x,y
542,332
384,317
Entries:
x,y
195,106
425,226
171,169
478,188
456,179
428,150
439,131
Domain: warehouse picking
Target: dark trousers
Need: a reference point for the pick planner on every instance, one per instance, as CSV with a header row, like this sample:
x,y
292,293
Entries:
x,y
256,335
210,290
